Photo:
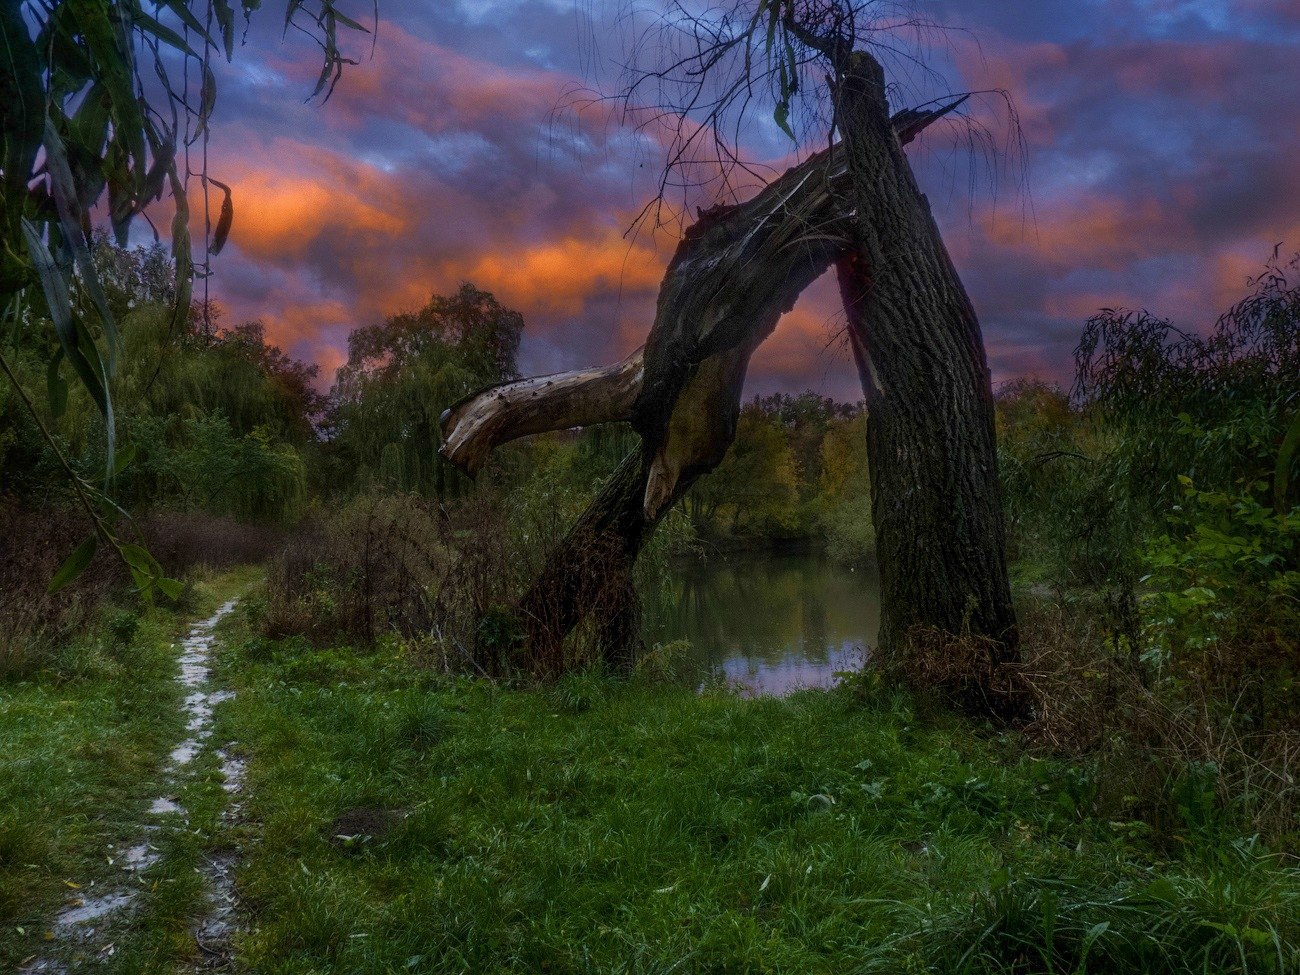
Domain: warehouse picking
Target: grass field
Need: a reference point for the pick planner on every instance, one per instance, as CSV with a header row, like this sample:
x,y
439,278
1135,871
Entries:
x,y
397,820
403,821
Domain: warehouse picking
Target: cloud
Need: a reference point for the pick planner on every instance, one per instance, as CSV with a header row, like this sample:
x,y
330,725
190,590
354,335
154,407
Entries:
x,y
1160,150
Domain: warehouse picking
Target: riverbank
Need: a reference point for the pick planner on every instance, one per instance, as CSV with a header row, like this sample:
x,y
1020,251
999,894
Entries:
x,y
405,821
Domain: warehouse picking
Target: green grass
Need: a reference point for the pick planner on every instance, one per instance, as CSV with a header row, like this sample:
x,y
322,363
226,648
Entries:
x,y
82,746
611,827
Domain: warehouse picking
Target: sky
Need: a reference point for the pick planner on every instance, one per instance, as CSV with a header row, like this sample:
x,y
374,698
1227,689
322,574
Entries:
x,y
1158,166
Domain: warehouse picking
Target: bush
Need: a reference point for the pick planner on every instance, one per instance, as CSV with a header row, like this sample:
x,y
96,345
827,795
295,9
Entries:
x,y
1173,750
402,564
33,544
185,540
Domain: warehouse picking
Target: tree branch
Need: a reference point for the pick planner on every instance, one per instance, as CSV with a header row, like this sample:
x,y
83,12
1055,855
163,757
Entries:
x,y
478,424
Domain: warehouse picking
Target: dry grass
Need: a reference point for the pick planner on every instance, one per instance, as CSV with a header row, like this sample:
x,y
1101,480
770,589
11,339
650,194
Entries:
x,y
1148,727
474,588
1219,719
403,565
967,670
185,540
34,542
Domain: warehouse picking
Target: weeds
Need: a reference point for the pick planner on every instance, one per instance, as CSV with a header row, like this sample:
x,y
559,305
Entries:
x,y
35,623
187,540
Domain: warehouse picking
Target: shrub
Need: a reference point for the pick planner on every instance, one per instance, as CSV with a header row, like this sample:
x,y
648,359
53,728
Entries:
x,y
33,544
1174,749
185,540
404,565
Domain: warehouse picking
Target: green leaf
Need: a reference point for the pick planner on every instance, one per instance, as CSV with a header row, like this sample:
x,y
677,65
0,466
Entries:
x,y
164,33
181,253
781,115
139,559
57,386
122,459
347,21
77,345
20,63
53,284
1282,473
70,210
182,10
290,9
115,62
143,581
76,563
88,128
226,21
171,588
207,96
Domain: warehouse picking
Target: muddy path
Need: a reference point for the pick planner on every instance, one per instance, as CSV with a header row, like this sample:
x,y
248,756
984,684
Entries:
x,y
85,929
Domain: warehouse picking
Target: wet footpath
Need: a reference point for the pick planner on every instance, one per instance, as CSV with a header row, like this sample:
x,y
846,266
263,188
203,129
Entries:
x,y
84,930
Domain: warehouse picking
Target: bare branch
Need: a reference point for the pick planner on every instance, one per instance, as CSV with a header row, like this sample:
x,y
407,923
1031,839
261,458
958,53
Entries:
x,y
478,424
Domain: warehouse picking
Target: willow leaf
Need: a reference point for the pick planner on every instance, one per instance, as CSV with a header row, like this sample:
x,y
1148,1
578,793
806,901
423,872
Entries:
x,y
226,21
115,65
76,563
165,34
75,341
1285,458
56,386
70,212
225,220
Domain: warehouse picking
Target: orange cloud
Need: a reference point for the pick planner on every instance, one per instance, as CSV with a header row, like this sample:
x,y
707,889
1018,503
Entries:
x,y
290,195
1089,231
558,275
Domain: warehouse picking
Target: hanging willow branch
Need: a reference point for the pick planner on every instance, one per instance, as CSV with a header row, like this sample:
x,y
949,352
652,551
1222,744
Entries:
x,y
78,128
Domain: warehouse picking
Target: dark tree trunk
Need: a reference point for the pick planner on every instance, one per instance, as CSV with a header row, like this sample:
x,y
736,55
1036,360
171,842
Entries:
x,y
936,499
590,574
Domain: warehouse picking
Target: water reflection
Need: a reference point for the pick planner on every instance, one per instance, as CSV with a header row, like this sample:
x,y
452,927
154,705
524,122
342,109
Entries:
x,y
773,623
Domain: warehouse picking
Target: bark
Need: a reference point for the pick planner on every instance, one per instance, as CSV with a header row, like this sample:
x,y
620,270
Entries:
x,y
481,422
936,499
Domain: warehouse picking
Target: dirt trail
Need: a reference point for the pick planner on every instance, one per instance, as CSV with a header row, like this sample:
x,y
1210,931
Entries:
x,y
83,929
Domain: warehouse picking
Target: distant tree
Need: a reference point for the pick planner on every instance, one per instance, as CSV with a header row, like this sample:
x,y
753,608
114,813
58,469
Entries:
x,y
755,490
1224,405
403,373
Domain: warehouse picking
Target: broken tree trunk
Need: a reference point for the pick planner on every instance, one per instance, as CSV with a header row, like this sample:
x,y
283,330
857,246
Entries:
x,y
736,271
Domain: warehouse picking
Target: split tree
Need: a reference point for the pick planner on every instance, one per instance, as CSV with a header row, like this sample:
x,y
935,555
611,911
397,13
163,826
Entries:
x,y
915,337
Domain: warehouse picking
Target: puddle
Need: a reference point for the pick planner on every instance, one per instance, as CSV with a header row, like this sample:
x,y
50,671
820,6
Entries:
x,y
163,806
86,910
140,857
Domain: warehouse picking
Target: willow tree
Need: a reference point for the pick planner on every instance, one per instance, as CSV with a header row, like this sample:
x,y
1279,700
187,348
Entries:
x,y
915,337
402,373
108,104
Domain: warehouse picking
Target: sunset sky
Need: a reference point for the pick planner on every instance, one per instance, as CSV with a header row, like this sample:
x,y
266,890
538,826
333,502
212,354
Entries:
x,y
1163,167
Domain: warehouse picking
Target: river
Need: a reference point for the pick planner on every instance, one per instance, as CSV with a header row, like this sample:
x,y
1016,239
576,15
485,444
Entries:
x,y
772,623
